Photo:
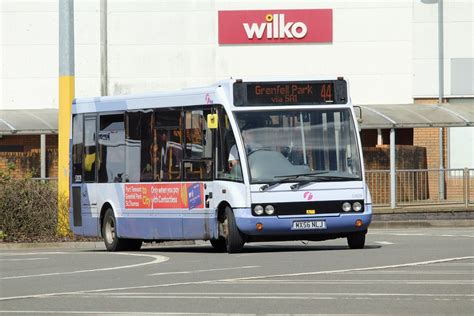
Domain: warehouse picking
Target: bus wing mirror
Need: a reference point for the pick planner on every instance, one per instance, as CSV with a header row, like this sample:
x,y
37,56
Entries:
x,y
360,120
212,121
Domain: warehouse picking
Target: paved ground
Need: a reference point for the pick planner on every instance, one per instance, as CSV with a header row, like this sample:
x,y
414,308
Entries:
x,y
403,271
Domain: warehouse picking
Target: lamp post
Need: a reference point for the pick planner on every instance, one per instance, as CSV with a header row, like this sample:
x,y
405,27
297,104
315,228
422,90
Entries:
x,y
440,94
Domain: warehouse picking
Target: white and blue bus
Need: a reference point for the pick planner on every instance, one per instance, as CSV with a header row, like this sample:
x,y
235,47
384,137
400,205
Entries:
x,y
239,161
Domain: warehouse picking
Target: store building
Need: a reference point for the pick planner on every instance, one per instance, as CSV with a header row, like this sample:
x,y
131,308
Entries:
x,y
388,51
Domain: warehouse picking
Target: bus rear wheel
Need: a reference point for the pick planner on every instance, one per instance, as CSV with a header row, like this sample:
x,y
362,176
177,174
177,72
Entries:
x,y
356,240
111,240
219,244
234,239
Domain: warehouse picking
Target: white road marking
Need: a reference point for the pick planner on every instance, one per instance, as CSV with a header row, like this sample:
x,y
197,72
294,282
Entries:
x,y
384,242
436,272
228,295
157,259
220,296
208,270
27,259
214,294
12,254
33,312
413,264
421,234
69,312
234,280
358,282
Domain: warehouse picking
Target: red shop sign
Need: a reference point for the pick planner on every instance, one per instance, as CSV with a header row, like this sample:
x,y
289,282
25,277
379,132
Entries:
x,y
275,26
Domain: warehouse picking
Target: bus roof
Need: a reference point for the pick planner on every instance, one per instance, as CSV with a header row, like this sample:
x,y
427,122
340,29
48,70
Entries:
x,y
183,97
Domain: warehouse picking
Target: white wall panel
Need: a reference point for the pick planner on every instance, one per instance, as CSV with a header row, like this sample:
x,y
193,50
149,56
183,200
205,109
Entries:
x,y
87,86
30,93
26,61
374,24
387,49
29,28
87,59
161,28
130,61
458,43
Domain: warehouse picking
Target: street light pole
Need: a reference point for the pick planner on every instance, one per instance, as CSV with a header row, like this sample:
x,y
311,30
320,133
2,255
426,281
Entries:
x,y
66,95
441,93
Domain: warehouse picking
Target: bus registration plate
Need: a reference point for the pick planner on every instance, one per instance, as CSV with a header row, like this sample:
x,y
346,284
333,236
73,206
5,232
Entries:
x,y
301,225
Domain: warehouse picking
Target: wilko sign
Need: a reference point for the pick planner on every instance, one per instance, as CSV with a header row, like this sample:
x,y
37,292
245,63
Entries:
x,y
275,26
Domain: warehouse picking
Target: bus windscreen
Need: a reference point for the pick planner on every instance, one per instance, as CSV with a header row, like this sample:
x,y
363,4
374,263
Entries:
x,y
290,93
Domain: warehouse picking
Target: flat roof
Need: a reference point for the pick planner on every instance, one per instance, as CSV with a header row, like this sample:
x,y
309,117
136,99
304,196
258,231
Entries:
x,y
29,122
454,114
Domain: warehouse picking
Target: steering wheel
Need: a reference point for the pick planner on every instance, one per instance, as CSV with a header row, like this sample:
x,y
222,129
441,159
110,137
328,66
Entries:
x,y
258,149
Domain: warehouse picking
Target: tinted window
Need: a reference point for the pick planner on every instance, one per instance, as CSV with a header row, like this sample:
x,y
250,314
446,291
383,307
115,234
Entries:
x,y
77,147
228,161
139,140
167,144
111,140
90,158
198,136
198,146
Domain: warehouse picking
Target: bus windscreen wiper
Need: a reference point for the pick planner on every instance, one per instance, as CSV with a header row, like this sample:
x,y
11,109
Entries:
x,y
287,178
300,184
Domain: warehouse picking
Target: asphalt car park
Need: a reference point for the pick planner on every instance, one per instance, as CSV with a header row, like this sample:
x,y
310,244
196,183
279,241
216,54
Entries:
x,y
400,271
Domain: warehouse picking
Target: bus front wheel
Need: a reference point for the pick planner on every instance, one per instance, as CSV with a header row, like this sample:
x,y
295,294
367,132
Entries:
x,y
234,239
356,240
111,240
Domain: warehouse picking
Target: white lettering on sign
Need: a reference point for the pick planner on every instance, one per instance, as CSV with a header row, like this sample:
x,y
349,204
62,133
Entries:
x,y
276,28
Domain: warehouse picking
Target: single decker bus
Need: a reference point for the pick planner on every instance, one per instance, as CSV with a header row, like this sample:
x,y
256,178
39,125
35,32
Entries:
x,y
239,161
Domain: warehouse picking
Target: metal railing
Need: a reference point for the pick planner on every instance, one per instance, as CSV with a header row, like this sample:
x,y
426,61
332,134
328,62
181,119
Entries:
x,y
422,187
413,187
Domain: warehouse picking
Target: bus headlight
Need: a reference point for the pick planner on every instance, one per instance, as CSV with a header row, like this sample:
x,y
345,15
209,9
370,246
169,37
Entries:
x,y
269,209
258,209
357,206
346,206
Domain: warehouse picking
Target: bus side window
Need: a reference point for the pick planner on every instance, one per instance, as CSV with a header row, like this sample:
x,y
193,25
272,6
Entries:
x,y
139,151
167,145
90,158
198,145
225,146
77,147
111,140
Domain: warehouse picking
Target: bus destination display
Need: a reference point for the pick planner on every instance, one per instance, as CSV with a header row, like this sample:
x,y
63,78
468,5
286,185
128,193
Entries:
x,y
289,93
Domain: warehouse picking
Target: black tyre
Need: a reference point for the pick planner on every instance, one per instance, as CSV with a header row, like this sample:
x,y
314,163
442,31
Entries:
x,y
234,238
111,240
356,240
219,244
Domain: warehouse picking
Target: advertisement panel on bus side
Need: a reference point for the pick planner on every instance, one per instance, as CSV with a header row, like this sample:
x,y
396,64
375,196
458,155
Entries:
x,y
164,196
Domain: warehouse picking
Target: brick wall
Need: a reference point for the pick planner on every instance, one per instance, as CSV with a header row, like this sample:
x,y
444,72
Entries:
x,y
29,142
29,161
408,157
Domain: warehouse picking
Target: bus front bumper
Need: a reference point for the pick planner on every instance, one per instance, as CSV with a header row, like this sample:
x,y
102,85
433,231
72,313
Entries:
x,y
293,225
